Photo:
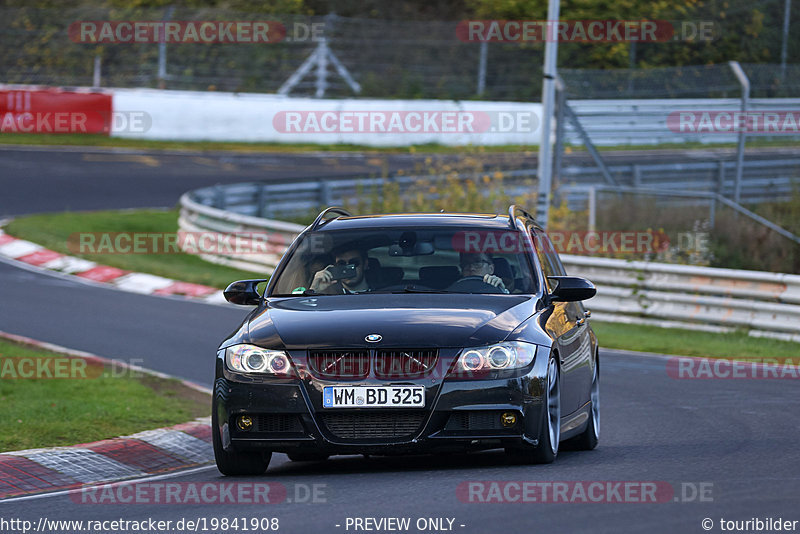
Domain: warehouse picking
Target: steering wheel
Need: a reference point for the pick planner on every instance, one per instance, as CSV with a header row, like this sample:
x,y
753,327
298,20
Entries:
x,y
473,284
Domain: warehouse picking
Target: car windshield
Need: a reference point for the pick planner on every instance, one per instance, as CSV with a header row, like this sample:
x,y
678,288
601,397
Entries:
x,y
410,260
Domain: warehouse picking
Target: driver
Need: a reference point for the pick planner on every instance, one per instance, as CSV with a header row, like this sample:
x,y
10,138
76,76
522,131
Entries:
x,y
323,280
480,265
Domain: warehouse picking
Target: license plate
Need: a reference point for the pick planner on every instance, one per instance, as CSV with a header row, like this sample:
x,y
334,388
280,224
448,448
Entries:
x,y
373,396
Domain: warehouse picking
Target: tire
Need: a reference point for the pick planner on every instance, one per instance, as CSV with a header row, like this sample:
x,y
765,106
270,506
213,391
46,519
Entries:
x,y
236,463
307,456
550,433
587,440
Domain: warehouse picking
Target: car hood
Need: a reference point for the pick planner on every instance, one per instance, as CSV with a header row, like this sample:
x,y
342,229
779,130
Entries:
x,y
412,320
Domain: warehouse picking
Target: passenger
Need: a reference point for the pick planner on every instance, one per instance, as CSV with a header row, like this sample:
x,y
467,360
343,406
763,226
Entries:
x,y
324,280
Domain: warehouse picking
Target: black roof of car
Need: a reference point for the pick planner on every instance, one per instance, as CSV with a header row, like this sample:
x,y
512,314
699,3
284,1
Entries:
x,y
489,221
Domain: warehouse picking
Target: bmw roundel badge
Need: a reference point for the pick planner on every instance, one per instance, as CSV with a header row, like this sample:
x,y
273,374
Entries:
x,y
373,338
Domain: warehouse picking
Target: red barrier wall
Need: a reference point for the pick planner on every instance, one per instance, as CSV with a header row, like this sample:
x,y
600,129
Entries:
x,y
54,111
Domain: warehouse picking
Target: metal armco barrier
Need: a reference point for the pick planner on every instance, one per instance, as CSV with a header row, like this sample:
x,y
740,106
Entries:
x,y
645,121
754,300
195,217
763,181
306,197
763,303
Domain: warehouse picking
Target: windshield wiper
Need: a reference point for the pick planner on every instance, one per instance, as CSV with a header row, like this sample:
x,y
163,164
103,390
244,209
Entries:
x,y
411,288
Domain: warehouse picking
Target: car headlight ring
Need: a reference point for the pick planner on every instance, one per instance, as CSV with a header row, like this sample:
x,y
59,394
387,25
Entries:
x,y
498,357
257,360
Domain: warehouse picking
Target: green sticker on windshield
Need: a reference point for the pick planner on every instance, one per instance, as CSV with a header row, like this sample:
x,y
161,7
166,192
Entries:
x,y
298,290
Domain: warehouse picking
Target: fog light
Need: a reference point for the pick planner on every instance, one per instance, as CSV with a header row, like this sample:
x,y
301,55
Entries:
x,y
508,419
245,422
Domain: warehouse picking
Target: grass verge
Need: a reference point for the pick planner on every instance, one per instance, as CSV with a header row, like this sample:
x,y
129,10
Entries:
x,y
87,140
681,342
49,412
52,230
84,140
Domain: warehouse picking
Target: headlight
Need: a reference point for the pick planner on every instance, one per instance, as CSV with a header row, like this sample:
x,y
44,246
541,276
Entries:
x,y
511,355
252,359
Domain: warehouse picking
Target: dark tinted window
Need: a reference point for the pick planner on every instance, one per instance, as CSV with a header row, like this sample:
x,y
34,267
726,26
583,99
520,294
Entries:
x,y
393,258
548,257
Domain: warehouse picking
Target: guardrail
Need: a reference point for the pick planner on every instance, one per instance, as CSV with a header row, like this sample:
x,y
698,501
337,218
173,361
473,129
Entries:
x,y
764,303
644,121
762,181
306,197
643,292
274,236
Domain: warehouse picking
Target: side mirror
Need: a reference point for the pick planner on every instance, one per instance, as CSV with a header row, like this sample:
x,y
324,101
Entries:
x,y
571,289
244,292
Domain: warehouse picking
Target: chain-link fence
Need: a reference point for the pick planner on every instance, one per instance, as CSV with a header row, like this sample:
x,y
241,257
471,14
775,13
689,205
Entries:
x,y
703,81
401,59
392,59
706,81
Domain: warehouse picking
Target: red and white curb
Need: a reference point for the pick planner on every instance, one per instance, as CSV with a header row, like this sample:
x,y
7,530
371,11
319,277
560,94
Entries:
x,y
39,257
145,453
137,455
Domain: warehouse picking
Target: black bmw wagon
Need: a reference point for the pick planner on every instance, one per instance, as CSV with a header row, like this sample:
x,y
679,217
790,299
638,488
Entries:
x,y
407,334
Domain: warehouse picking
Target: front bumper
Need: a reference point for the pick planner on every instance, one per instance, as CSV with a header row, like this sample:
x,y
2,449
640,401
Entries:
x,y
459,414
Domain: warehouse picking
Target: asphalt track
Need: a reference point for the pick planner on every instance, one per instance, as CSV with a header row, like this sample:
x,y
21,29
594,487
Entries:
x,y
737,438
46,179
39,179
171,335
